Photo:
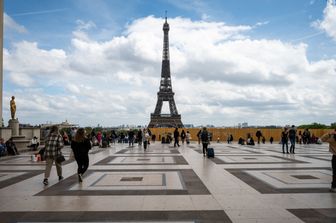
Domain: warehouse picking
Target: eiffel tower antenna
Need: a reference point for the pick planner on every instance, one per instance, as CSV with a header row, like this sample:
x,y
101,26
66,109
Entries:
x,y
165,92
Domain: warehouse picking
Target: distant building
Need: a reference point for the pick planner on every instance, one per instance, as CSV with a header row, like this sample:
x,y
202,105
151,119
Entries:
x,y
62,125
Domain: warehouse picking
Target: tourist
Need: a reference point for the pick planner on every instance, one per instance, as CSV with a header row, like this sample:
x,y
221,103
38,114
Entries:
x,y
258,135
11,147
80,146
331,138
228,138
3,149
271,139
199,136
53,146
306,136
72,133
292,138
250,140
263,139
146,138
183,136
34,144
99,137
205,140
241,141
188,137
66,139
139,137
284,140
176,137
131,138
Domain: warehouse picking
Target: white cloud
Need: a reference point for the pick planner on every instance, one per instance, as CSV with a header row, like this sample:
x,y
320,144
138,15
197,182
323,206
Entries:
x,y
220,76
328,24
9,23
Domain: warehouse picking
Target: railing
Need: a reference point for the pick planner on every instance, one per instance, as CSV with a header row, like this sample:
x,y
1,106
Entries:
x,y
222,133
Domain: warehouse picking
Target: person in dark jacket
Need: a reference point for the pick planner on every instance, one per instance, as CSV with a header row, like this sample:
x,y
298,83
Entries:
x,y
205,140
80,146
258,135
176,137
284,140
11,147
292,139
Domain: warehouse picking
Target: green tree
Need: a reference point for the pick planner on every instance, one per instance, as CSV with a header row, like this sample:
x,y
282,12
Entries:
x,y
314,125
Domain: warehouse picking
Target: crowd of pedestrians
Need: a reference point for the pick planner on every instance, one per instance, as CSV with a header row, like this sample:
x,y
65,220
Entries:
x,y
81,143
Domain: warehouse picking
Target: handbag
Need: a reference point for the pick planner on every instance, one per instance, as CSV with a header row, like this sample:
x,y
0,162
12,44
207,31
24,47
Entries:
x,y
60,158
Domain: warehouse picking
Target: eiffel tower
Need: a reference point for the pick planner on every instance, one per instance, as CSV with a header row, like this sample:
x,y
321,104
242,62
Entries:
x,y
166,92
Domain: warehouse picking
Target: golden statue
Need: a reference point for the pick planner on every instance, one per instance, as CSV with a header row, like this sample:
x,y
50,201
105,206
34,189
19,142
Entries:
x,y
13,107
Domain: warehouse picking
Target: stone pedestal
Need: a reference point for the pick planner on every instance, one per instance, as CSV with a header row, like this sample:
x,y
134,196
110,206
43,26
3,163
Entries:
x,y
21,143
14,125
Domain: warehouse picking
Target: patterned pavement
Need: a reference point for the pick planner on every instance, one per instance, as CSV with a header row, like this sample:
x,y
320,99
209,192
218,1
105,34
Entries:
x,y
167,184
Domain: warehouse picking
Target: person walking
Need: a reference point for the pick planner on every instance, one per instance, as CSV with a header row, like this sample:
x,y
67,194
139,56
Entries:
x,y
139,137
183,136
130,138
176,137
188,137
146,138
205,140
284,140
258,135
292,139
53,145
199,136
331,138
80,146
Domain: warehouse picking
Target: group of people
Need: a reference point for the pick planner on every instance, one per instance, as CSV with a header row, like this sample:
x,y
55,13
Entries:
x,y
54,143
8,147
184,136
288,134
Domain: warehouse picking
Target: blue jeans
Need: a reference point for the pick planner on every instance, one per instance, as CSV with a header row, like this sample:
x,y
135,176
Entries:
x,y
292,142
284,142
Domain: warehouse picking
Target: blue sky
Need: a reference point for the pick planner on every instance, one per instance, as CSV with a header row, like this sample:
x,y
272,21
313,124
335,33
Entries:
x,y
232,61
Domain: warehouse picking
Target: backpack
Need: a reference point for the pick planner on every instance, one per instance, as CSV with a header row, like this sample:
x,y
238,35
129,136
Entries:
x,y
204,136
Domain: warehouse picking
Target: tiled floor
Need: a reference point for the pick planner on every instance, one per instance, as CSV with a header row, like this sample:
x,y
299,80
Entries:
x,y
167,184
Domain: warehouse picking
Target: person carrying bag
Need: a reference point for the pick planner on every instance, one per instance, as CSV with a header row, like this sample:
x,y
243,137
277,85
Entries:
x,y
53,146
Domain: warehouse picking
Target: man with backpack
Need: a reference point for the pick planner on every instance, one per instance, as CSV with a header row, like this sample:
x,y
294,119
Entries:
x,y
205,140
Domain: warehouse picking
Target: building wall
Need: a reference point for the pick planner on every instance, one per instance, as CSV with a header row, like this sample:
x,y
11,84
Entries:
x,y
5,133
29,133
222,133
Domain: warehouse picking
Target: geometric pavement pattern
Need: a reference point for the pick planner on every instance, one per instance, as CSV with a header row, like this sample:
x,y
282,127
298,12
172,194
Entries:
x,y
166,184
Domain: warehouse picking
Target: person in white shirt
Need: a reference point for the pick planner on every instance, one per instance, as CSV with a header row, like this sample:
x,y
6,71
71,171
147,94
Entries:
x,y
34,143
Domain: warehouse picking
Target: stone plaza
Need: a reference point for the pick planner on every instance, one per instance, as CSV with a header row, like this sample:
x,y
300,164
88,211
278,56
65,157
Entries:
x,y
167,184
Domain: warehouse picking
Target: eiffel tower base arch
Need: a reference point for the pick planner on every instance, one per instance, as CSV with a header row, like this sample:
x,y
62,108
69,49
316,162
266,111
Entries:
x,y
165,121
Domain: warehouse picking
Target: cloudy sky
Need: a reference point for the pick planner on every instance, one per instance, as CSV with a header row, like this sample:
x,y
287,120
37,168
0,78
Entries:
x,y
89,62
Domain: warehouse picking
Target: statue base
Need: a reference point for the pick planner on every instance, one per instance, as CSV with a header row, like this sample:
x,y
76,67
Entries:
x,y
20,141
14,125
